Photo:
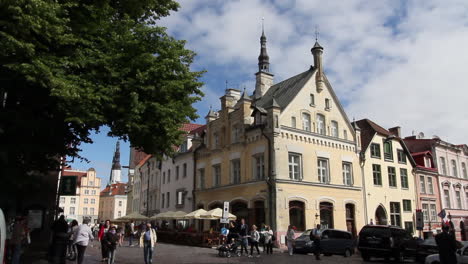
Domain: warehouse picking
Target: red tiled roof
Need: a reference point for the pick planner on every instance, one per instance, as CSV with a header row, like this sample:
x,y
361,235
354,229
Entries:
x,y
421,153
114,189
144,160
199,130
188,127
68,171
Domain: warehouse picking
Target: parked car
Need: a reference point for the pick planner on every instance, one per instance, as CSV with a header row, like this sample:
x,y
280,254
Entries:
x,y
387,242
333,242
425,248
462,256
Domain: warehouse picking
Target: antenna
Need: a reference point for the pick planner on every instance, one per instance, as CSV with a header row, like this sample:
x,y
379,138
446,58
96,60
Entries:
x,y
316,33
226,84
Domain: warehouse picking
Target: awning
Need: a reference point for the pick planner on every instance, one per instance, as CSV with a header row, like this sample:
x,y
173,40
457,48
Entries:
x,y
216,213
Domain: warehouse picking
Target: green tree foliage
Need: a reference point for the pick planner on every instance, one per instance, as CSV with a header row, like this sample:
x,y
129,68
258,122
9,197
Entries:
x,y
70,67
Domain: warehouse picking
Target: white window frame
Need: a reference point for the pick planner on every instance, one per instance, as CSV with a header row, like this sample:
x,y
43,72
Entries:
x,y
72,200
259,166
72,210
293,122
323,170
425,210
447,198
443,166
433,209
201,178
295,166
216,175
458,199
422,184
334,129
235,171
430,185
306,121
91,211
464,172
321,125
454,168
347,174
85,210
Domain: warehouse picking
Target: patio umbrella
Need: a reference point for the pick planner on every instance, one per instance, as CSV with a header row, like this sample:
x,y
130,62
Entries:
x,y
216,213
133,216
162,215
175,215
195,214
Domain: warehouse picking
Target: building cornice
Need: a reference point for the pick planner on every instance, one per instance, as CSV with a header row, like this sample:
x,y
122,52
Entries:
x,y
308,133
223,187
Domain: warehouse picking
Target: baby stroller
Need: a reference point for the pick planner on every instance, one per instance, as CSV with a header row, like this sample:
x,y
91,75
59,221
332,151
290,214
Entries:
x,y
229,249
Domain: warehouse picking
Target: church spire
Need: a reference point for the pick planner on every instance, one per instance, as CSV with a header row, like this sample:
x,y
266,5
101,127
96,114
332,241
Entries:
x,y
263,58
116,167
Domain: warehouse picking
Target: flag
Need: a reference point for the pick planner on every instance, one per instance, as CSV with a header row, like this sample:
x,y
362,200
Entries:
x,y
442,214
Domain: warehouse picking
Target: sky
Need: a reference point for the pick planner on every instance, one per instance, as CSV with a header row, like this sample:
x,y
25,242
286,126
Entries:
x,y
398,63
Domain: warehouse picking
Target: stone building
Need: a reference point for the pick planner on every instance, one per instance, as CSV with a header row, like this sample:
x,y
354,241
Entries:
x,y
387,167
85,204
287,155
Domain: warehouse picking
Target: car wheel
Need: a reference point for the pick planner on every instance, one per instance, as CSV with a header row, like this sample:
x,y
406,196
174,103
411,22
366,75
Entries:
x,y
347,253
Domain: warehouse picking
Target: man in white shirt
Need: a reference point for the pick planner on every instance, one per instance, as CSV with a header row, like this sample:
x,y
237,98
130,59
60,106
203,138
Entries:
x,y
81,239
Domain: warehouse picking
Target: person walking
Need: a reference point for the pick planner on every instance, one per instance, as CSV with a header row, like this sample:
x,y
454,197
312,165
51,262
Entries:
x,y
71,235
315,236
111,239
268,234
244,236
17,239
59,240
233,233
289,239
81,238
131,233
255,237
148,240
447,245
102,231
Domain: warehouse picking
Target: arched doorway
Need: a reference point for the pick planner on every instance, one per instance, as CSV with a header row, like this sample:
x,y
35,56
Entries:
x,y
297,215
259,213
240,210
380,216
350,219
462,231
326,215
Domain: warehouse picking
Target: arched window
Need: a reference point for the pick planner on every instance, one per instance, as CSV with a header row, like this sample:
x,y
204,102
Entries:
x,y
297,215
334,129
293,122
320,124
326,215
306,121
327,104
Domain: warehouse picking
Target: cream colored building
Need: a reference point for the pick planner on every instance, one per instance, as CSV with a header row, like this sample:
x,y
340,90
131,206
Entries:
x,y
389,189
285,156
85,204
113,203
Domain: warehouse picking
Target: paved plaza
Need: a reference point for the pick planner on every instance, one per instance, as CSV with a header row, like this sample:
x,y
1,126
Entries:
x,y
168,253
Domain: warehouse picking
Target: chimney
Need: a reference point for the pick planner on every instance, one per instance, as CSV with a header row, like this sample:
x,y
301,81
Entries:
x,y
395,131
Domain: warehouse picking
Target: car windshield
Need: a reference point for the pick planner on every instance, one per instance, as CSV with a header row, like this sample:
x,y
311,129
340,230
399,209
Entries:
x,y
306,233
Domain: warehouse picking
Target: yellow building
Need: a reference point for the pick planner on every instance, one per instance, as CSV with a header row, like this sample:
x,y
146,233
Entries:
x,y
390,192
300,128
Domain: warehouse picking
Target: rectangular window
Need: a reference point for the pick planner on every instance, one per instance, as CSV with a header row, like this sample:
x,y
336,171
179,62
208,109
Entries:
x,y
433,213
401,156
184,170
201,177
322,167
85,211
334,129
259,167
327,104
430,186
459,201
427,162
464,173
422,184
454,168
62,200
306,121
321,124
86,192
312,100
168,176
376,174
406,205
72,211
295,166
91,183
93,192
216,175
395,213
347,174
388,152
93,201
345,134
392,182
73,200
293,122
235,171
168,199
404,178
216,140
162,200
375,150
235,134
447,199
86,200
443,166
164,177
119,213
177,173
120,203
91,211
180,198
425,210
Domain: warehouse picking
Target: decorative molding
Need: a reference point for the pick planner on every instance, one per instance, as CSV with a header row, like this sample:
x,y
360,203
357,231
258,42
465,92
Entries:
x,y
296,198
215,161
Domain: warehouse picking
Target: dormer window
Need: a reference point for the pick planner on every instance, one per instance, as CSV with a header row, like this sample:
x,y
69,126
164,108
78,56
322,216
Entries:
x,y
321,124
388,152
327,104
427,162
183,148
215,140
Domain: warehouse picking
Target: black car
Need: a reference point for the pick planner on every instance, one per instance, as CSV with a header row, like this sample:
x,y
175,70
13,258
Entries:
x,y
332,242
386,241
425,248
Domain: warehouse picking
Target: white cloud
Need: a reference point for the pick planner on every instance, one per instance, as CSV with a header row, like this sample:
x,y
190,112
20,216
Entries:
x,y
396,62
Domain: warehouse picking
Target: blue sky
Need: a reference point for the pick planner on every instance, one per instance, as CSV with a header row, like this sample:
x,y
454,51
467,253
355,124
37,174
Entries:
x,y
396,62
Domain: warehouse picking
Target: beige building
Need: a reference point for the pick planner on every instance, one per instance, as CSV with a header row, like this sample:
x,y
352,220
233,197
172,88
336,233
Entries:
x,y
285,156
85,204
389,188
113,202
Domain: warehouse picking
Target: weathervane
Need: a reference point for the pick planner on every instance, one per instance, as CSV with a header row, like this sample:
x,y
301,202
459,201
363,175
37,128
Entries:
x,y
316,33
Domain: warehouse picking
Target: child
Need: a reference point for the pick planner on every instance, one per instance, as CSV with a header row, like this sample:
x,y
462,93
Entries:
x,y
111,239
